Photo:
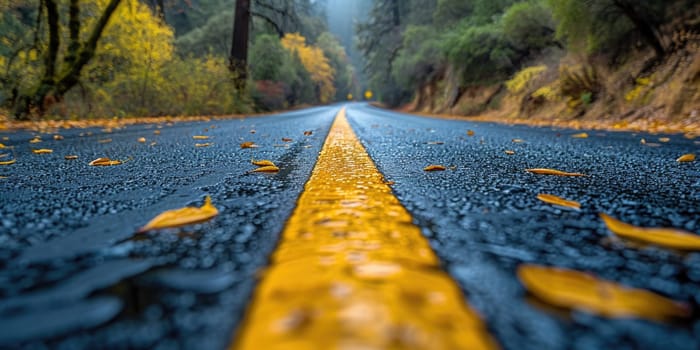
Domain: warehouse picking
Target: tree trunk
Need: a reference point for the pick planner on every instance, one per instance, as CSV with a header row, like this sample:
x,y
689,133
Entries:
x,y
238,60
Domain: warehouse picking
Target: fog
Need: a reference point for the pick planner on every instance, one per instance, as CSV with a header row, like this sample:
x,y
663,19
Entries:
x,y
342,17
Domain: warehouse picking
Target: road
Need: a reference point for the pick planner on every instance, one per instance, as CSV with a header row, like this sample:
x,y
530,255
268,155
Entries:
x,y
74,275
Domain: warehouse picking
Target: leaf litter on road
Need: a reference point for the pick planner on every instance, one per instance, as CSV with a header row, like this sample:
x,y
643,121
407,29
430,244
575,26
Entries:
x,y
686,158
556,200
554,172
200,137
665,237
181,217
42,151
435,167
582,135
104,161
8,162
577,290
262,162
248,144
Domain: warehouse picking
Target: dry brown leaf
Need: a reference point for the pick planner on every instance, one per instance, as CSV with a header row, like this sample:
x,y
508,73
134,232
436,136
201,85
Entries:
x,y
200,137
262,162
308,133
8,162
509,152
267,169
470,133
664,139
181,217
36,139
542,171
248,144
552,199
582,135
686,158
42,151
104,162
253,131
142,140
104,141
71,157
203,144
582,291
518,140
285,139
156,132
57,137
434,168
665,237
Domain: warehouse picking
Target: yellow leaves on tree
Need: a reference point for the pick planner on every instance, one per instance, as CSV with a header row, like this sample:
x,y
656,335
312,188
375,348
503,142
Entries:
x,y
315,62
665,237
577,290
182,217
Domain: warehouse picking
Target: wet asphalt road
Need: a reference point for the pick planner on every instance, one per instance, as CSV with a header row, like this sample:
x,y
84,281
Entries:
x,y
73,275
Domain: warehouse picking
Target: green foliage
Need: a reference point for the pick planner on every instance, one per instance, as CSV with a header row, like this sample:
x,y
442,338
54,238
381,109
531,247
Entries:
x,y
338,59
529,25
269,60
421,59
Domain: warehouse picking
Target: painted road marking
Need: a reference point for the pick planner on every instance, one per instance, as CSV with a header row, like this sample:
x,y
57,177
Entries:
x,y
353,272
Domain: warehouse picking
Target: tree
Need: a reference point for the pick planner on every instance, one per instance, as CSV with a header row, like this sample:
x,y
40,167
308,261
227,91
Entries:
x,y
59,77
238,59
315,62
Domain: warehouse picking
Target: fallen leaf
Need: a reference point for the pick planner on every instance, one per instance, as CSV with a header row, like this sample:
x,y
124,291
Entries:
x,y
267,169
203,144
104,162
518,140
200,137
181,217
57,137
153,143
582,291
308,133
36,139
42,151
104,141
643,142
436,143
142,139
582,135
284,139
249,144
8,162
552,199
434,168
253,131
71,157
664,139
156,132
686,158
262,162
555,172
4,155
2,146
509,152
470,133
665,237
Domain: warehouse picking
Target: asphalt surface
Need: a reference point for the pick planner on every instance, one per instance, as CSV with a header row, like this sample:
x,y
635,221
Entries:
x,y
74,275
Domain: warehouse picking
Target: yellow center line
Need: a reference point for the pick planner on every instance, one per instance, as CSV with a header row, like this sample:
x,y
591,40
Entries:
x,y
353,272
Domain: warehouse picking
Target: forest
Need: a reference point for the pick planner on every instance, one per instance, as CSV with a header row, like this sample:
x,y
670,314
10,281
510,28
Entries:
x,y
610,59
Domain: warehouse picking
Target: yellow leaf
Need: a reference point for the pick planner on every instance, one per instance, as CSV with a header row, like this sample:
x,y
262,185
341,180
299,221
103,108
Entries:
x,y
142,140
2,146
181,217
267,169
434,168
200,137
156,132
518,140
582,135
262,162
686,158
71,157
8,162
104,141
665,237
509,152
470,133
552,199
582,291
36,139
664,139
42,151
541,171
104,162
203,144
57,137
249,144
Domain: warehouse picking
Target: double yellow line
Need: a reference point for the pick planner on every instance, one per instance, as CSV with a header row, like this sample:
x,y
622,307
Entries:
x,y
353,272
